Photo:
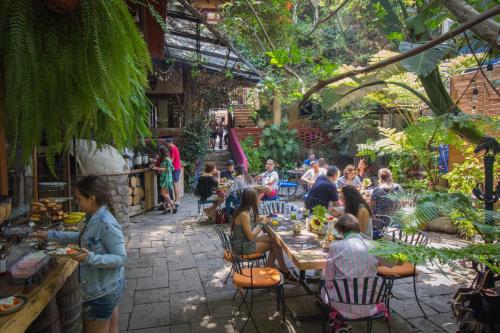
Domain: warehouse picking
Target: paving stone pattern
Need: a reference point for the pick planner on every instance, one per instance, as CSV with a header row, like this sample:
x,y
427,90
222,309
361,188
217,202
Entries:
x,y
175,283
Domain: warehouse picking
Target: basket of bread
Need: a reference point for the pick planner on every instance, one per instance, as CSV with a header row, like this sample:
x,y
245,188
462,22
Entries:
x,y
48,209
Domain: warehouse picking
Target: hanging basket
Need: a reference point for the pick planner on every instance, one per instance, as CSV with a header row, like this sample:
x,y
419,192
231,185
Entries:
x,y
62,6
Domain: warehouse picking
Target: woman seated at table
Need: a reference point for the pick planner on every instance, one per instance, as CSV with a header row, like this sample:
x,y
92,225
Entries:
x,y
313,173
206,189
242,181
381,203
356,205
349,177
247,232
347,259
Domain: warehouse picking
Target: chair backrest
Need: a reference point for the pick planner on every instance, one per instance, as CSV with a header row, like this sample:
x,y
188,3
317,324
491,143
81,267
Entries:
x,y
359,291
223,235
234,259
276,207
381,222
419,238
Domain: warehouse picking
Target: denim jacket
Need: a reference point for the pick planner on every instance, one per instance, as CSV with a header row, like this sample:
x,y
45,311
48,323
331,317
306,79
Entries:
x,y
102,271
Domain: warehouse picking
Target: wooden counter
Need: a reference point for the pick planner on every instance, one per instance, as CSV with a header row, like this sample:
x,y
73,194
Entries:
x,y
38,298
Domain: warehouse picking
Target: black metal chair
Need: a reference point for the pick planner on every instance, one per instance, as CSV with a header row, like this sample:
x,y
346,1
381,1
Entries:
x,y
380,223
255,258
405,270
251,278
359,291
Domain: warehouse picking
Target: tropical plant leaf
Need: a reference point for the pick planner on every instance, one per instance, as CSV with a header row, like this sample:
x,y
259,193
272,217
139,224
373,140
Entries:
x,y
425,62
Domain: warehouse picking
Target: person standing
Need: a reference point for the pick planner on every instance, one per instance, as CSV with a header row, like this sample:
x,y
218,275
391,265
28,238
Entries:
x,y
103,256
220,132
176,162
213,132
166,170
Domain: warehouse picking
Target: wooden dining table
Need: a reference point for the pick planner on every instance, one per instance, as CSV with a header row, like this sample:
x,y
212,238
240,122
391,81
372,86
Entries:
x,y
304,250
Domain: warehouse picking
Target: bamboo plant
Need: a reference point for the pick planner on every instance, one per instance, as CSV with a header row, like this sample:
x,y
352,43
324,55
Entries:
x,y
80,74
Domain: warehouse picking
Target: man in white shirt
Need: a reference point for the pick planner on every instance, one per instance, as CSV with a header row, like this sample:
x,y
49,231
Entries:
x,y
313,173
269,180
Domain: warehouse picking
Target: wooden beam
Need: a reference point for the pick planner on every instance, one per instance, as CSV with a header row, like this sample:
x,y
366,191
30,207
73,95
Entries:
x,y
4,184
34,168
219,36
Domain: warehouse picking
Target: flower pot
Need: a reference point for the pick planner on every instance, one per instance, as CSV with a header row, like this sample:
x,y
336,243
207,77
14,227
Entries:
x,y
441,224
62,6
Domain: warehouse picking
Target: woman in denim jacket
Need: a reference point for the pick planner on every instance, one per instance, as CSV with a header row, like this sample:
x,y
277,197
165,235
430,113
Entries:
x,y
103,259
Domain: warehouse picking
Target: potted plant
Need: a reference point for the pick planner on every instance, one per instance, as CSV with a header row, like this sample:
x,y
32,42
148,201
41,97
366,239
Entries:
x,y
318,220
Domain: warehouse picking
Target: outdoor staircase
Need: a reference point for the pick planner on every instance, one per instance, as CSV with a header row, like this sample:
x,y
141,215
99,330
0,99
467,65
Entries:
x,y
219,157
242,118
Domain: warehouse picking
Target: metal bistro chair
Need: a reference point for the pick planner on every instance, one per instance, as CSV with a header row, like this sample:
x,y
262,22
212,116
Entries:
x,y
256,257
360,291
287,189
251,278
380,224
405,270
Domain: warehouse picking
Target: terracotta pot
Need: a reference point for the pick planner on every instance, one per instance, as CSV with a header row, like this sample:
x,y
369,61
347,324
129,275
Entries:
x,y
441,224
62,6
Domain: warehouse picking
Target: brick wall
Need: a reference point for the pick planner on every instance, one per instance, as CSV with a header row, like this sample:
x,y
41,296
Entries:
x,y
488,102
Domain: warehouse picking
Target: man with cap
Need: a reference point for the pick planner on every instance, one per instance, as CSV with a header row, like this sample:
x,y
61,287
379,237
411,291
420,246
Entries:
x,y
228,173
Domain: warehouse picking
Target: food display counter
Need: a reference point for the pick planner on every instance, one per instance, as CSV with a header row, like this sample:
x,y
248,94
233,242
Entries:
x,y
39,282
39,296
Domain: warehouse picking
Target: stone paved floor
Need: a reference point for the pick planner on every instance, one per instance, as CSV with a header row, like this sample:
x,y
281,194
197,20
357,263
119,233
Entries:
x,y
175,283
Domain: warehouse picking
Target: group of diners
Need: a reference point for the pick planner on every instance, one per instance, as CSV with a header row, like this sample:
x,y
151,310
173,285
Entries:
x,y
347,258
208,184
325,192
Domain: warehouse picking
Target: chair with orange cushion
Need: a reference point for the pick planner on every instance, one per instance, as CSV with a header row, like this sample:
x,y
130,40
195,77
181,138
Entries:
x,y
250,278
405,270
254,258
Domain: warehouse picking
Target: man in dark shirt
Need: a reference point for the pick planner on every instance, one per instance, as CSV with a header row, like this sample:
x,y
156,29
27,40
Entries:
x,y
228,173
324,190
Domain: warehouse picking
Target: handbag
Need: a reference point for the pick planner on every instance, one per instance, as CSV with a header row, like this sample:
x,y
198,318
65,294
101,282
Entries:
x,y
476,304
221,216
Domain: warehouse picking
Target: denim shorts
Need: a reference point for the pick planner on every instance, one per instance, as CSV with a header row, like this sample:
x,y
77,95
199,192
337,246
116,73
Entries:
x,y
176,175
102,308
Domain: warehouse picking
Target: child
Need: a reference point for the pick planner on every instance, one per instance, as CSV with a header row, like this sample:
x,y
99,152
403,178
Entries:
x,y
103,256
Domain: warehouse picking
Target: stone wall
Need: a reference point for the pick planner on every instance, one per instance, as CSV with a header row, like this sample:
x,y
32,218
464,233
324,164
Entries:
x,y
118,185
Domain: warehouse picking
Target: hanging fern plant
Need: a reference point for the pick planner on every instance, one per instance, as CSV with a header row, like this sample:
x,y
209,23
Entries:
x,y
80,74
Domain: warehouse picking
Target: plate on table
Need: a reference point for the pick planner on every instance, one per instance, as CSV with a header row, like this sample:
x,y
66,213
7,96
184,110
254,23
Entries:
x,y
68,252
11,304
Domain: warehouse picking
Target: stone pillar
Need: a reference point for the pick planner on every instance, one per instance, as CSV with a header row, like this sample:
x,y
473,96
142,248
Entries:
x,y
118,186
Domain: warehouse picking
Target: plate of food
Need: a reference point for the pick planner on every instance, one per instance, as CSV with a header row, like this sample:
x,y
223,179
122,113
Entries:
x,y
12,304
68,252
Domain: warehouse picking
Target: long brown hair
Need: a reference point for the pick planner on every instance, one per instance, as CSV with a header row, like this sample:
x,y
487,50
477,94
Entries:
x,y
249,200
353,200
94,186
240,170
